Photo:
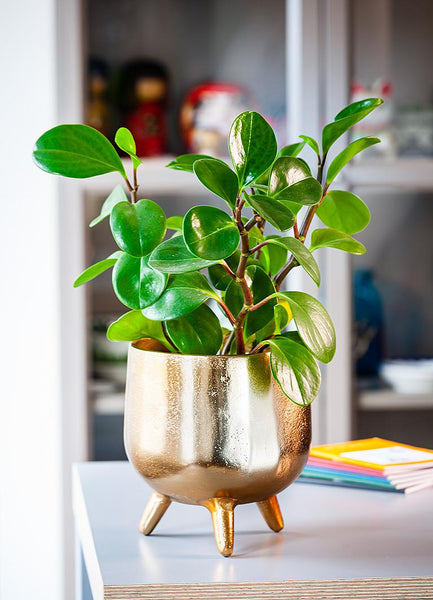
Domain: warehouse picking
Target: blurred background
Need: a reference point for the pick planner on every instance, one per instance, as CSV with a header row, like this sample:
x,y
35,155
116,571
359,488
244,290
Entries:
x,y
176,72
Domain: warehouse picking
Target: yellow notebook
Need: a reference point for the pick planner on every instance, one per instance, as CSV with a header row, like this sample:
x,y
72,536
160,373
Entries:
x,y
374,453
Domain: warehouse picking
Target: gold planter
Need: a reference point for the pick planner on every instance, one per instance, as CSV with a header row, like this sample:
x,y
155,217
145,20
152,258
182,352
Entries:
x,y
212,430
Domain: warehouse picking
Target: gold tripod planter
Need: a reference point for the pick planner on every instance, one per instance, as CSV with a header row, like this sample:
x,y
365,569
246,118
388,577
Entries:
x,y
212,430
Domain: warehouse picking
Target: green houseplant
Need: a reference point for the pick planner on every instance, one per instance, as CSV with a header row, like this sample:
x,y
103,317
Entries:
x,y
213,287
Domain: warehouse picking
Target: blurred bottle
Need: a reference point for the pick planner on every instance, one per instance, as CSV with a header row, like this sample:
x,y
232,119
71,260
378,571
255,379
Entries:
x,y
369,324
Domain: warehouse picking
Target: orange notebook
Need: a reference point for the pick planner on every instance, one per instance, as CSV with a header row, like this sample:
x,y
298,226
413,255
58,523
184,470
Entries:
x,y
376,453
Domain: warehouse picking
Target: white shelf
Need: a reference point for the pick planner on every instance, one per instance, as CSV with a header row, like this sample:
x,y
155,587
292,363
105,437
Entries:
x,y
153,176
374,400
414,174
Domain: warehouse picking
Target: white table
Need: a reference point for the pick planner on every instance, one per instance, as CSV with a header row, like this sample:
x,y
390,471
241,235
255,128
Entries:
x,y
337,543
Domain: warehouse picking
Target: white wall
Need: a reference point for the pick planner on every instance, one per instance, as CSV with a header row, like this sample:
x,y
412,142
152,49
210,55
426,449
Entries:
x,y
35,448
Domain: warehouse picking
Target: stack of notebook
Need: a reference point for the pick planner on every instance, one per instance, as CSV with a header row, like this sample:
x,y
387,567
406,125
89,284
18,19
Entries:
x,y
373,463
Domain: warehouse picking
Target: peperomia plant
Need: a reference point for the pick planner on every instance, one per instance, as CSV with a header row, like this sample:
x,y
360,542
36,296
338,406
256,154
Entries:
x,y
163,281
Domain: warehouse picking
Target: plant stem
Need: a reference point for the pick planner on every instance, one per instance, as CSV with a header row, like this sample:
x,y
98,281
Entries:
x,y
262,302
259,246
240,278
227,311
136,186
295,229
292,262
227,268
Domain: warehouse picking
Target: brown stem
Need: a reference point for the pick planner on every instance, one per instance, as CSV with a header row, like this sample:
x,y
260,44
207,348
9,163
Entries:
x,y
227,311
261,303
259,247
295,229
227,268
240,277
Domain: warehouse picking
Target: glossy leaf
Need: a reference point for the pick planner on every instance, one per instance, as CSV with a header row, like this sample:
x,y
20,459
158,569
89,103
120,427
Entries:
x,y
252,146
291,149
218,178
331,238
295,370
301,254
286,171
234,298
77,151
273,211
125,140
277,255
346,118
198,332
210,233
290,179
311,142
344,211
218,275
184,293
172,256
282,317
185,162
138,228
261,287
347,154
313,323
135,283
175,223
96,269
134,326
116,196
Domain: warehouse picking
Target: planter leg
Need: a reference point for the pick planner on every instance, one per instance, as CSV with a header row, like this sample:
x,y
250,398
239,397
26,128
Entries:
x,y
221,510
271,512
153,512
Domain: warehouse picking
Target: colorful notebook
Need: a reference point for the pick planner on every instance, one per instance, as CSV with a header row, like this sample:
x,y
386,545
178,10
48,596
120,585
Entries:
x,y
372,463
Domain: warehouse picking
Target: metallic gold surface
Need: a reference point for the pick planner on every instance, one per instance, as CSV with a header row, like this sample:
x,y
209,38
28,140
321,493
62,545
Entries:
x,y
153,512
212,430
271,513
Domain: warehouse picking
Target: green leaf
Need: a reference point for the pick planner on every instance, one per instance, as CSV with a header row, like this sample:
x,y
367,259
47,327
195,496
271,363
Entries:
x,y
313,323
125,140
301,254
185,162
175,222
291,150
234,298
116,196
295,370
290,179
135,283
344,211
172,256
218,178
286,171
76,151
183,294
261,287
273,211
277,255
134,326
347,154
346,119
219,277
138,228
252,146
198,332
96,269
312,143
281,318
331,238
210,233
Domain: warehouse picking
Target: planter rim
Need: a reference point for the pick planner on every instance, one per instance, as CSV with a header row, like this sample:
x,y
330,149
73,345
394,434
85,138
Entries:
x,y
134,347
